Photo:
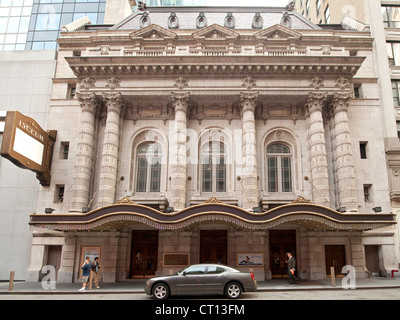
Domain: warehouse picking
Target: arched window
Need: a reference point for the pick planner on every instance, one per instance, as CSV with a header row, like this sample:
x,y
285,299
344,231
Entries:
x,y
213,167
148,167
279,168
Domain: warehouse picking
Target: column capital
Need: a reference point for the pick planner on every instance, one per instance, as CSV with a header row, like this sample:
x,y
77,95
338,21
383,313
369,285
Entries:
x,y
114,101
316,100
248,101
181,101
341,101
88,102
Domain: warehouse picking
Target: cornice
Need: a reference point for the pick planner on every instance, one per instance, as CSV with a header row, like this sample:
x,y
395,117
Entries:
x,y
329,66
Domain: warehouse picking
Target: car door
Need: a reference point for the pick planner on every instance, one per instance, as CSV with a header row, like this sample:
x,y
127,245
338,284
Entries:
x,y
191,281
214,280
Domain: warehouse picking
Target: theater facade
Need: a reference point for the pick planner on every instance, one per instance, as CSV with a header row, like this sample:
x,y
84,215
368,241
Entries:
x,y
227,135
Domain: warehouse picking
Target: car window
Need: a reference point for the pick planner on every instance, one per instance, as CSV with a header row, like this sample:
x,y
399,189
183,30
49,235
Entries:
x,y
215,270
196,270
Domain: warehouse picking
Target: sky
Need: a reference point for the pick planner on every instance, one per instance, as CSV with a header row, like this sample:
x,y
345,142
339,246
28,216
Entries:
x,y
251,3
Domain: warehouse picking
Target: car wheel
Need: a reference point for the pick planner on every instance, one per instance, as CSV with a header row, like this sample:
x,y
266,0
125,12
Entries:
x,y
161,291
233,290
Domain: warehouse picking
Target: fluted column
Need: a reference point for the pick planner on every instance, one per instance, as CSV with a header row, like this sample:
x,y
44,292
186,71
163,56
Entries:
x,y
180,102
343,154
85,152
248,102
317,149
109,157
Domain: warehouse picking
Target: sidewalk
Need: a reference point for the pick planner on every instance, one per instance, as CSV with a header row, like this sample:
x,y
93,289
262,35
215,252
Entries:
x,y
137,286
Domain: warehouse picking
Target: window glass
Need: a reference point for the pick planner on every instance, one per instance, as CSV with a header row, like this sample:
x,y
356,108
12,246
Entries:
x,y
196,270
215,270
148,172
213,166
279,168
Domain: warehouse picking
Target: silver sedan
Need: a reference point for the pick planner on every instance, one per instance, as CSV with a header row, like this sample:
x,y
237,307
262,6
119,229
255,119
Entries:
x,y
202,279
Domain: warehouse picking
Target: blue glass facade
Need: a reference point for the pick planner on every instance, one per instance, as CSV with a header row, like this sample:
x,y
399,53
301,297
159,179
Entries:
x,y
36,24
48,17
14,23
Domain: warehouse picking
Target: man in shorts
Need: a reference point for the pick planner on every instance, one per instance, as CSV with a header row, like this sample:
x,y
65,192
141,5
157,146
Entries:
x,y
85,273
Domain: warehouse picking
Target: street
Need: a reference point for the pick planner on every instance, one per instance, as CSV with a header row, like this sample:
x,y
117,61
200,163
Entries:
x,y
359,294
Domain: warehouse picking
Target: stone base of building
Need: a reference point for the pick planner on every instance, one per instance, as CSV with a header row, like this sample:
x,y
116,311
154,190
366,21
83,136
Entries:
x,y
139,252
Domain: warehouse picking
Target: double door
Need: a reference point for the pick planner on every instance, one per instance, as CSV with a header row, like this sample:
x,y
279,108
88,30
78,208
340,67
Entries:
x,y
213,246
144,254
281,242
335,257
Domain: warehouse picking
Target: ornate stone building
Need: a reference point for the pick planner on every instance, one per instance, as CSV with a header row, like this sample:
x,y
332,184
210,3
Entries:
x,y
214,134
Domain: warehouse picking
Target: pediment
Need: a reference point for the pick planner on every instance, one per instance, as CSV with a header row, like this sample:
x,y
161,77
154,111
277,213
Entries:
x,y
215,32
278,32
153,32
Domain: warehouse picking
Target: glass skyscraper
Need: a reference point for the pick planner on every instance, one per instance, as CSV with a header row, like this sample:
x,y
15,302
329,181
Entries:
x,y
36,24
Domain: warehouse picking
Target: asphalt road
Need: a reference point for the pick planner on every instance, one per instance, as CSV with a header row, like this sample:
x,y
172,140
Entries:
x,y
359,294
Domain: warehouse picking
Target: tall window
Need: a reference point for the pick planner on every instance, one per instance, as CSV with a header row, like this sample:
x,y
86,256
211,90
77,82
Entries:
x,y
279,162
213,167
393,51
391,16
148,167
327,15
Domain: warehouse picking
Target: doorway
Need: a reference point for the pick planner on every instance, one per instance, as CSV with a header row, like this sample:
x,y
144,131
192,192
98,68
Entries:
x,y
53,259
280,243
372,259
213,246
335,256
144,254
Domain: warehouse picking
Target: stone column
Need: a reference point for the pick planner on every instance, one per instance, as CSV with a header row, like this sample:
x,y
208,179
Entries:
x,y
317,149
109,157
248,101
85,153
343,154
180,102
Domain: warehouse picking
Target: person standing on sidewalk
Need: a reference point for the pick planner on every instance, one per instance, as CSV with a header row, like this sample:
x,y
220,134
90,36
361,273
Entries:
x,y
95,272
85,274
291,268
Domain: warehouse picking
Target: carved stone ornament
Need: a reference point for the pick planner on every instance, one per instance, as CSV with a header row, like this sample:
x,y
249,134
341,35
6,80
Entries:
x,y
113,82
258,21
317,83
125,200
201,21
249,82
104,49
290,6
181,82
173,22
213,200
286,20
342,83
87,83
301,200
230,21
145,20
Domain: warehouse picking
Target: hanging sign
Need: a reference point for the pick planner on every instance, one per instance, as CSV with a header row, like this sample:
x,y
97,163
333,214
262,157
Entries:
x,y
27,145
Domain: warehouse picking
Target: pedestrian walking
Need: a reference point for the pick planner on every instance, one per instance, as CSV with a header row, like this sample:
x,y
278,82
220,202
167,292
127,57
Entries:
x,y
95,272
85,274
291,268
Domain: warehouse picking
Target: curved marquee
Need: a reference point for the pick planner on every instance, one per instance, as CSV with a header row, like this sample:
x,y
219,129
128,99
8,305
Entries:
x,y
120,215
